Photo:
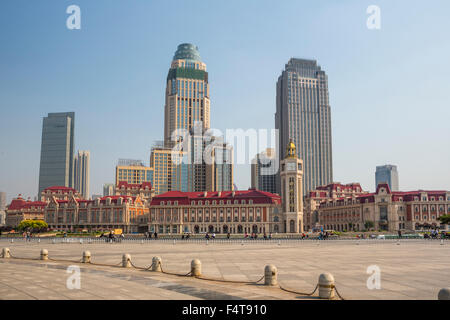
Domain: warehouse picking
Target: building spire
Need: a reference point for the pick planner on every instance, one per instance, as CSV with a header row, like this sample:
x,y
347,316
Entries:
x,y
290,151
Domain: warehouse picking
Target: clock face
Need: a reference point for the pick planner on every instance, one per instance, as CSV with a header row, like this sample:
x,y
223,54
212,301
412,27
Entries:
x,y
291,166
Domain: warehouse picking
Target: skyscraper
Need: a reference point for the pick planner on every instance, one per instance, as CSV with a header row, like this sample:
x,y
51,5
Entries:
x,y
263,171
56,167
2,200
387,174
187,108
82,174
109,189
303,115
187,92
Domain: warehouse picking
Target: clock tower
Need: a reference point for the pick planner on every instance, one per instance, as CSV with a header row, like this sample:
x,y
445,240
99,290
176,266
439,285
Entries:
x,y
291,190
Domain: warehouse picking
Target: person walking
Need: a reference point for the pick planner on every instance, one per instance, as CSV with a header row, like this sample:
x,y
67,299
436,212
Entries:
x,y
228,235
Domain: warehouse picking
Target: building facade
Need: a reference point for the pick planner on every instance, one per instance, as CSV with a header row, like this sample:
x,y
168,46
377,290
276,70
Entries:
x,y
133,171
321,194
264,171
20,209
60,193
143,190
387,174
216,212
57,148
106,213
82,173
303,114
385,210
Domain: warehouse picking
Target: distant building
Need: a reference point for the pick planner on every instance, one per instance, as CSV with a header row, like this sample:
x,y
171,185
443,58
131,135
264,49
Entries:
x,y
109,189
60,193
143,190
2,200
133,171
102,214
187,92
387,174
264,170
303,114
385,210
321,194
57,148
20,209
219,212
82,173
2,217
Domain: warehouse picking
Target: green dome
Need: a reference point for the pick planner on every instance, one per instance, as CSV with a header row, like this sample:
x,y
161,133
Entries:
x,y
187,51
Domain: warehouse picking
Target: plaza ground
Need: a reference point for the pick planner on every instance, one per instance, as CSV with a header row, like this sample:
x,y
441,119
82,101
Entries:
x,y
412,269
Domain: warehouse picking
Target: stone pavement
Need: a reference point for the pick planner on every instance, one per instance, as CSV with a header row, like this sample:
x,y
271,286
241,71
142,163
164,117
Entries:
x,y
414,269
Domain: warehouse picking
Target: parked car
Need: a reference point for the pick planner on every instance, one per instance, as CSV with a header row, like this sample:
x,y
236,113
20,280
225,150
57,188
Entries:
x,y
381,236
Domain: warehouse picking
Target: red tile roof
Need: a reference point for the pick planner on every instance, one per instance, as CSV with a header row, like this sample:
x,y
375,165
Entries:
x,y
185,198
19,203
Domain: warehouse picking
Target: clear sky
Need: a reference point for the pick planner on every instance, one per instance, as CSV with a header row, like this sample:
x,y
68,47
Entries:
x,y
389,88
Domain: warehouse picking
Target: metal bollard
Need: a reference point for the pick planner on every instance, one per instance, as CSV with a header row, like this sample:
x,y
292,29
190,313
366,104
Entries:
x,y
156,264
54,241
398,241
90,240
279,242
81,241
174,241
196,268
206,241
270,275
126,261
142,241
444,294
44,254
442,242
86,257
326,286
12,240
39,240
242,242
6,254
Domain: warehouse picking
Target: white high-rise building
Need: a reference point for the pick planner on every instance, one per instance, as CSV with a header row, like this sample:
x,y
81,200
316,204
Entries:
x,y
81,165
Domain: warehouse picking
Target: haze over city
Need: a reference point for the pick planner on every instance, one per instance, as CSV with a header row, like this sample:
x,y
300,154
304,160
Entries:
x,y
388,88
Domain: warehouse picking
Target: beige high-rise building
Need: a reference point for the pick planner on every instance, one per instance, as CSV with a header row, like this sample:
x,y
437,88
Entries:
x,y
187,92
82,173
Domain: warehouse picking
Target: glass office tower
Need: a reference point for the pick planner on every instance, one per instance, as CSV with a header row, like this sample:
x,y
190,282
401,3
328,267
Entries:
x,y
303,115
56,167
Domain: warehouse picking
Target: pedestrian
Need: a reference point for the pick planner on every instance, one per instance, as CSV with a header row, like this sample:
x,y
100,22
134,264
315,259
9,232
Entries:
x,y
213,235
270,236
265,236
156,235
228,235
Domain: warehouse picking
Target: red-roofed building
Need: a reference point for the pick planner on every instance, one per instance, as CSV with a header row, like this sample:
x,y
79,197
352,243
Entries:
x,y
107,213
59,192
144,190
387,210
20,209
216,212
314,198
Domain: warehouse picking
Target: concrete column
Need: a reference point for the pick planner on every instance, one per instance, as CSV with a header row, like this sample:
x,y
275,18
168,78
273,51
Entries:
x,y
6,253
44,254
156,264
326,286
444,294
196,268
86,257
126,261
270,275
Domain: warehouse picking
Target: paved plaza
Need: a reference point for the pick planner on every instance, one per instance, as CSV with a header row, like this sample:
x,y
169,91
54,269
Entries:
x,y
412,269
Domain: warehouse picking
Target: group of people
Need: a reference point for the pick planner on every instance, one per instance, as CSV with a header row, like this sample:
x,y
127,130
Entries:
x,y
322,235
434,234
254,236
27,235
148,235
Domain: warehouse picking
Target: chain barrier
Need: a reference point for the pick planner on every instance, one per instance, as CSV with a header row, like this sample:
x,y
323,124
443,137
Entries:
x,y
181,275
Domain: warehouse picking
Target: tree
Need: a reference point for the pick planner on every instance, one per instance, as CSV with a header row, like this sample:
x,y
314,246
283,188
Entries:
x,y
445,219
369,225
32,225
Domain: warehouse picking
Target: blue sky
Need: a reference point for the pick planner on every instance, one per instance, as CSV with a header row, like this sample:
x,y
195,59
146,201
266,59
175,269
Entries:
x,y
389,88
